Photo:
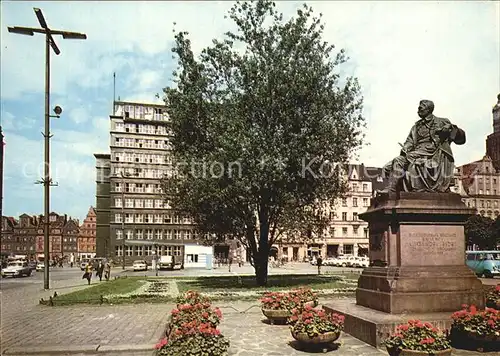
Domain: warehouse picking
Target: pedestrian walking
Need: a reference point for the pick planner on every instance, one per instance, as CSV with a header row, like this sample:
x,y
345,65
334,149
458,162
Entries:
x,y
107,270
88,272
319,261
100,270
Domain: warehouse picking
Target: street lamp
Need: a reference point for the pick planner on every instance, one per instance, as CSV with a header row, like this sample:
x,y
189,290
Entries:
x,y
47,181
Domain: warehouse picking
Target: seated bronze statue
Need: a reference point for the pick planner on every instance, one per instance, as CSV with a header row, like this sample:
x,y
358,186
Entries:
x,y
426,162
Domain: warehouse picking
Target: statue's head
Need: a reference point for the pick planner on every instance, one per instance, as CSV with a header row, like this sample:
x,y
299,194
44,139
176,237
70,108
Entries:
x,y
425,108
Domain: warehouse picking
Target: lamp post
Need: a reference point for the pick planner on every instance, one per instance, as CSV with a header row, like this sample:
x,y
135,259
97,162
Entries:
x,y
47,181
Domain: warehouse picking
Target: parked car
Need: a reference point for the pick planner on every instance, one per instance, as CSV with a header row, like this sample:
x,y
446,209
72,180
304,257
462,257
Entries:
x,y
40,266
362,262
341,261
329,261
140,265
484,263
16,269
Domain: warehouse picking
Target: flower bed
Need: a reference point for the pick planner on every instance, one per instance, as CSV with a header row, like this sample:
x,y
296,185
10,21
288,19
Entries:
x,y
417,336
493,298
316,326
193,329
479,329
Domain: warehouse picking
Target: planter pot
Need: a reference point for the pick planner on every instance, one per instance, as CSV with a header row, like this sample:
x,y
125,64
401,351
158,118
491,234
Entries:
x,y
393,351
446,352
311,304
325,338
276,316
486,343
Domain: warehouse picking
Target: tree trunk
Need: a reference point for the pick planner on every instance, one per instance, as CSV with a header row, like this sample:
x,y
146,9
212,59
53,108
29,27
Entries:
x,y
263,253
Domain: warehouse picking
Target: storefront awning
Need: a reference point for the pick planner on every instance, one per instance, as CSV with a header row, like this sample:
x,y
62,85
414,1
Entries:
x,y
363,245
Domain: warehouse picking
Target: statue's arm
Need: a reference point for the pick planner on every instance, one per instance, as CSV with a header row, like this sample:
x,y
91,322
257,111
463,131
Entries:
x,y
457,135
409,144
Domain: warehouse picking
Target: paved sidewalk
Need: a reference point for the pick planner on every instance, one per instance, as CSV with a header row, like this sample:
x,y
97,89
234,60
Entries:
x,y
134,329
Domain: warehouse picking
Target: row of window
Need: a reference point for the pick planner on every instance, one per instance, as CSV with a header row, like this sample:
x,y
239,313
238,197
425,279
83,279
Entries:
x,y
142,203
138,188
490,214
142,112
363,188
365,202
148,250
487,192
356,231
142,129
157,234
152,219
483,204
142,143
142,158
156,173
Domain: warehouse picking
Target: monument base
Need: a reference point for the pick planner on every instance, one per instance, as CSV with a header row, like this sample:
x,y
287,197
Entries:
x,y
373,326
419,289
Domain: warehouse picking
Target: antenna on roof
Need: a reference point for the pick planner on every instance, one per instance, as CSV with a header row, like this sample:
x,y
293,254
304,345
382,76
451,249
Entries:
x,y
114,91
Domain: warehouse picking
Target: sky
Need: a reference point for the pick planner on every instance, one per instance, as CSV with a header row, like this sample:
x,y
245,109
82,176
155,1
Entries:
x,y
401,52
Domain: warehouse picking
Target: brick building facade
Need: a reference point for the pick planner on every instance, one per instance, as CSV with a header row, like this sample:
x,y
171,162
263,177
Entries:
x,y
87,235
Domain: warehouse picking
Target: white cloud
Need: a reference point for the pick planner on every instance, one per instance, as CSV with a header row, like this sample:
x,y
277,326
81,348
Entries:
x,y
400,51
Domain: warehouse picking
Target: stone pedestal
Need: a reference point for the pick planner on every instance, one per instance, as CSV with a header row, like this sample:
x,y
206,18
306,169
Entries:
x,y
417,259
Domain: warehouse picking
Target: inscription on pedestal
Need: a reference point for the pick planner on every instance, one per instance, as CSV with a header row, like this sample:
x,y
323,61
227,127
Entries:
x,y
432,245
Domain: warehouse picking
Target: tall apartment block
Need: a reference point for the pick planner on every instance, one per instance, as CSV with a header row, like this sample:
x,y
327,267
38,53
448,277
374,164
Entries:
x,y
493,140
133,217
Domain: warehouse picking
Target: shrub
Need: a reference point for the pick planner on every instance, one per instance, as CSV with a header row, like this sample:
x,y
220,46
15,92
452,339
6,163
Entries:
x,y
295,299
200,339
417,336
484,323
192,297
314,322
201,313
493,297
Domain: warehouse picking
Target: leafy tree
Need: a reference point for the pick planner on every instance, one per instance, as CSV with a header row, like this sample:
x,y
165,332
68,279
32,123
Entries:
x,y
262,121
495,231
479,231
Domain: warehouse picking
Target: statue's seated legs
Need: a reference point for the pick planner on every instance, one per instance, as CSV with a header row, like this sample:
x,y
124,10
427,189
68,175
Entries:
x,y
395,170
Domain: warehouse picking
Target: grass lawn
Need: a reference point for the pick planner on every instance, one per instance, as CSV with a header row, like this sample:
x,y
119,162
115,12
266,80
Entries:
x,y
248,283
93,294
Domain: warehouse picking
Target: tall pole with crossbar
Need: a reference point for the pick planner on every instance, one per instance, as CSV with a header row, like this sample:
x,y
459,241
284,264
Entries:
x,y
47,181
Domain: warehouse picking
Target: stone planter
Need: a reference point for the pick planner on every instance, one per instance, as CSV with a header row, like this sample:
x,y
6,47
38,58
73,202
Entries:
x,y
485,343
325,338
446,352
276,316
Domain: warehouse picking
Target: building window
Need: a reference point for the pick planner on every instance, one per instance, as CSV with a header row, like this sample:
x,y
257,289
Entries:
x,y
366,202
158,234
365,232
344,231
148,203
332,232
168,250
355,216
139,203
167,234
129,203
365,187
148,250
118,218
355,230
348,249
119,250
149,234
139,250
139,218
355,202
139,234
129,234
192,258
129,251
129,218
177,250
354,187
167,219
344,216
158,219
118,202
176,234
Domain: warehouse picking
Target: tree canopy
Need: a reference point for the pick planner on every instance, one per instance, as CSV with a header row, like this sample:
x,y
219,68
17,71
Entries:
x,y
262,123
483,232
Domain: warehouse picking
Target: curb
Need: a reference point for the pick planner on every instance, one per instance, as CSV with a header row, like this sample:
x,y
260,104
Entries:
x,y
76,349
